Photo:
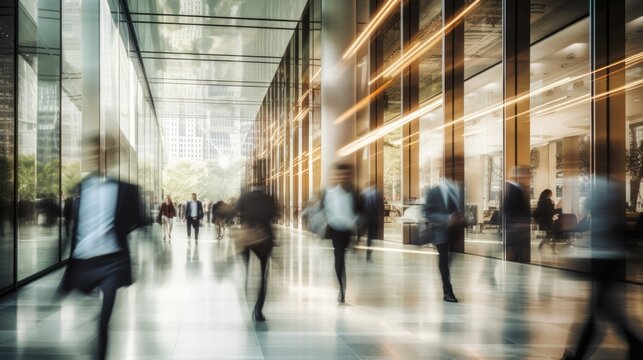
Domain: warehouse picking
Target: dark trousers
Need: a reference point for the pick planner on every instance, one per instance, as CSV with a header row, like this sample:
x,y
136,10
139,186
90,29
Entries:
x,y
193,222
109,298
263,259
371,225
340,243
443,264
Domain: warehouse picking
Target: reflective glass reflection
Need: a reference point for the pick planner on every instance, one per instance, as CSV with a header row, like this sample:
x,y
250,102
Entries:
x,y
7,141
38,136
560,146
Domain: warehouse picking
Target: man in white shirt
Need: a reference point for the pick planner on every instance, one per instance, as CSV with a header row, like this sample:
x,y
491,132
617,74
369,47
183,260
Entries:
x,y
193,214
339,203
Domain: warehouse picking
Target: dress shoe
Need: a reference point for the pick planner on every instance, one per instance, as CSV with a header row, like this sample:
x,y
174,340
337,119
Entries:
x,y
258,316
450,298
341,296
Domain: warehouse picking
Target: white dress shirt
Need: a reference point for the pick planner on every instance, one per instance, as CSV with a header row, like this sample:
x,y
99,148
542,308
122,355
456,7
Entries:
x,y
338,206
96,215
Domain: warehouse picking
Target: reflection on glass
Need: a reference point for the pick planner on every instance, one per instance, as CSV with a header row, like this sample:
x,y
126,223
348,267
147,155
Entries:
x,y
550,16
7,142
393,202
560,147
39,136
483,163
483,37
430,64
392,47
634,133
432,153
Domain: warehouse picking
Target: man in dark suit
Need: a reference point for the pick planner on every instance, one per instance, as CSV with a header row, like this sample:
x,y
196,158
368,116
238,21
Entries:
x,y
443,211
517,212
104,214
193,214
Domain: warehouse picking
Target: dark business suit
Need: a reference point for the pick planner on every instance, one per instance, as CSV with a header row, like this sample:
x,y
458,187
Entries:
x,y
517,212
110,271
257,208
437,211
193,221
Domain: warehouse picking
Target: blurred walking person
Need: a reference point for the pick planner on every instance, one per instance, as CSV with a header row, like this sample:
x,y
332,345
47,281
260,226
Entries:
x,y
442,209
221,212
517,212
193,215
104,214
608,294
257,210
340,207
168,212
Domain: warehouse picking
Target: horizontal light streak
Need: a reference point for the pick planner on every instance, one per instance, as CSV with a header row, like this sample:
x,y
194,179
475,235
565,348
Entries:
x,y
416,50
362,103
370,28
428,252
387,128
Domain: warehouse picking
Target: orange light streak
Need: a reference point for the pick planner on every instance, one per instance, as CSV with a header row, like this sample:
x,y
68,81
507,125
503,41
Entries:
x,y
362,103
418,49
370,28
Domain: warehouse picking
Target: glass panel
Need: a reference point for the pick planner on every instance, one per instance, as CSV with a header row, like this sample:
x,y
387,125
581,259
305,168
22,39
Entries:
x,y
39,136
560,147
392,48
7,141
483,130
549,16
432,153
634,123
483,37
483,162
393,202
431,62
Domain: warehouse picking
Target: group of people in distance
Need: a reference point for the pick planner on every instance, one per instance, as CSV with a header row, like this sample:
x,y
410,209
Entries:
x,y
193,211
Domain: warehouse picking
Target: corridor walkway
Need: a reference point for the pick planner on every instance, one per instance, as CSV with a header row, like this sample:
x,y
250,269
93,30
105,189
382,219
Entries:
x,y
189,303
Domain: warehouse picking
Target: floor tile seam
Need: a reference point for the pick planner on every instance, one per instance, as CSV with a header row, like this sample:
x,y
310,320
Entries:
x,y
348,346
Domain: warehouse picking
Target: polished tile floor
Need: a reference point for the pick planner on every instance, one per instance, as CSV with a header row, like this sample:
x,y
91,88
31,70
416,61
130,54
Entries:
x,y
190,302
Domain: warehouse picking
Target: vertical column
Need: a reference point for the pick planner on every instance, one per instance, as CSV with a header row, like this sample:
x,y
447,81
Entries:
x,y
338,81
453,102
411,130
516,48
608,114
376,113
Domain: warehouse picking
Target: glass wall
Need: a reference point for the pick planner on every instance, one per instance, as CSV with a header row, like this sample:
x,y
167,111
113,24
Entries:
x,y
560,141
7,141
559,133
483,129
63,97
634,133
38,136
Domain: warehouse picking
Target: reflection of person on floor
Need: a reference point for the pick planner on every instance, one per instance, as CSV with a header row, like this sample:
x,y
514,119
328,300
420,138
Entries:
x,y
340,207
106,212
257,210
608,256
442,208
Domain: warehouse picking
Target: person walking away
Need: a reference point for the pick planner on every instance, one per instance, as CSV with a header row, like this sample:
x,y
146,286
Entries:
x,y
206,207
168,212
339,204
257,210
442,210
193,215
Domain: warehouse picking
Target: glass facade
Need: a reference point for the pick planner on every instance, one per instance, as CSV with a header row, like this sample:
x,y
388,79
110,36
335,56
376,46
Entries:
x,y
68,72
554,136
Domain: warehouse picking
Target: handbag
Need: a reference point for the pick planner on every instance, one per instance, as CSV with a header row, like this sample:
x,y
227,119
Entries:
x,y
424,229
317,222
247,236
